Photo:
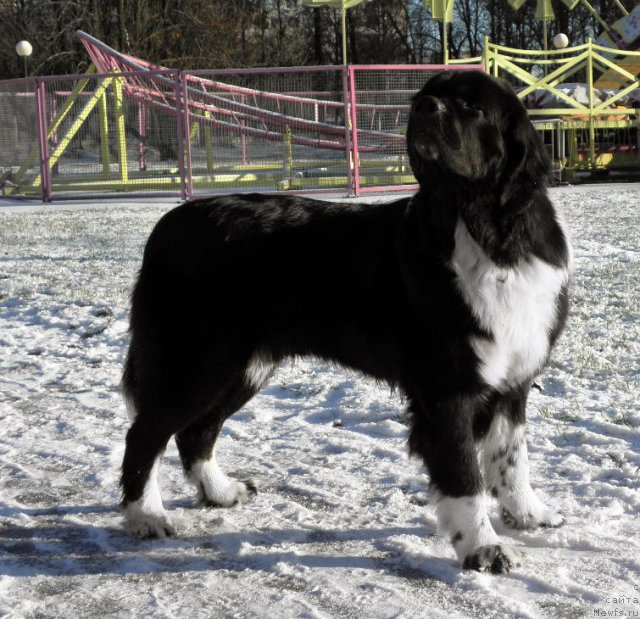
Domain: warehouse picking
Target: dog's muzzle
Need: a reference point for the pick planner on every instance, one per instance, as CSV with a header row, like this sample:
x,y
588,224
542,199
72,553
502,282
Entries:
x,y
428,114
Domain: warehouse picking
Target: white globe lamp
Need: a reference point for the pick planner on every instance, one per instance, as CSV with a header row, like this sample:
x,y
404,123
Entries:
x,y
561,40
24,49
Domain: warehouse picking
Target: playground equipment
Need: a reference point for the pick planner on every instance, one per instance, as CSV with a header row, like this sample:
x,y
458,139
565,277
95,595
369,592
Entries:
x,y
545,14
623,35
128,125
593,126
628,26
585,127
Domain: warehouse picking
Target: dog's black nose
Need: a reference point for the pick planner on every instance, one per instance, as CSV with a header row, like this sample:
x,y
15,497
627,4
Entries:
x,y
429,105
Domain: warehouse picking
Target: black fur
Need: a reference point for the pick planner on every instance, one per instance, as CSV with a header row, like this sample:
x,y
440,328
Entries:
x,y
228,279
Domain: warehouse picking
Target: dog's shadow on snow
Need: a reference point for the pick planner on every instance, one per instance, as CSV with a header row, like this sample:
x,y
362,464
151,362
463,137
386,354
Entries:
x,y
58,541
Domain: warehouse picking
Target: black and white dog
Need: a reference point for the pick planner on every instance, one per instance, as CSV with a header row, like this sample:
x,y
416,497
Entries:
x,y
455,296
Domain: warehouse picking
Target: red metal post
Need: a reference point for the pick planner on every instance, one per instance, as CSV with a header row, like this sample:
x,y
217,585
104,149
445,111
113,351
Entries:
x,y
354,130
243,139
347,125
180,132
184,78
142,137
43,140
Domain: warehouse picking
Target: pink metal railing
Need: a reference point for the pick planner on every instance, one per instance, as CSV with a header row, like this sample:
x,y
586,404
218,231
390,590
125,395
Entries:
x,y
352,122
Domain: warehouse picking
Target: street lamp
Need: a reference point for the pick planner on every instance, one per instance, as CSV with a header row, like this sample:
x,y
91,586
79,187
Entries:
x,y
24,49
561,40
343,5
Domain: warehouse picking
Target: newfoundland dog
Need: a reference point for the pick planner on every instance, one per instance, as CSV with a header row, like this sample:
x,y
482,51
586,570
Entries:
x,y
455,296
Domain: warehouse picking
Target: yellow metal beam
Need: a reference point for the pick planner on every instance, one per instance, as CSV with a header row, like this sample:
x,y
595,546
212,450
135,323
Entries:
x,y
555,77
55,123
104,135
77,123
121,131
527,78
602,108
601,60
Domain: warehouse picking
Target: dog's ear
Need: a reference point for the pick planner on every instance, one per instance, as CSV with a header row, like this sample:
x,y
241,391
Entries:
x,y
527,166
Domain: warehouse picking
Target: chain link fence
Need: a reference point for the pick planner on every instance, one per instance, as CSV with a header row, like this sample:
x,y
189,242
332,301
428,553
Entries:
x,y
175,133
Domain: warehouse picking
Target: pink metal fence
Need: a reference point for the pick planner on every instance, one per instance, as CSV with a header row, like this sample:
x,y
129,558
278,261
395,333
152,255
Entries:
x,y
139,129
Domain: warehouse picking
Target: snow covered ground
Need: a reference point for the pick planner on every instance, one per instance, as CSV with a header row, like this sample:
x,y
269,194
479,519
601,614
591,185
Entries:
x,y
342,525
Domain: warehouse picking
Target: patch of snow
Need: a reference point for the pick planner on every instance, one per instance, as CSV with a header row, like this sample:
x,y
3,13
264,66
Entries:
x,y
342,525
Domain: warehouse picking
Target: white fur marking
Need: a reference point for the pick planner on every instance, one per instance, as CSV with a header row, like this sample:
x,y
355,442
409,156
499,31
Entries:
x,y
467,516
214,486
506,467
146,516
258,371
132,413
564,226
516,305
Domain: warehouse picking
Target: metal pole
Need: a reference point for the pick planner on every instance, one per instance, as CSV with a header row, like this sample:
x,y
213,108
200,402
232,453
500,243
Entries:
x,y
179,132
346,97
546,44
622,8
187,136
354,131
121,130
592,131
596,14
445,43
142,139
103,117
344,35
43,141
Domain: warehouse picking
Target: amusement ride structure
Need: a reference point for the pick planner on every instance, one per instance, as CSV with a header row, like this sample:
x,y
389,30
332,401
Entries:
x,y
128,125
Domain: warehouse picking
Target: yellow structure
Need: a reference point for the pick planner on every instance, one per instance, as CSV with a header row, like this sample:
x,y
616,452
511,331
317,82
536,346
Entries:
x,y
536,70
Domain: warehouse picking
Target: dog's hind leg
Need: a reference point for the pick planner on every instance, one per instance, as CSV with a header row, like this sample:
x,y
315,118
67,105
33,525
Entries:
x,y
196,442
442,434
144,513
163,397
506,467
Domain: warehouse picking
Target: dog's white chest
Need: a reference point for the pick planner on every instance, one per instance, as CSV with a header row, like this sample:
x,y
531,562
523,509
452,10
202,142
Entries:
x,y
517,306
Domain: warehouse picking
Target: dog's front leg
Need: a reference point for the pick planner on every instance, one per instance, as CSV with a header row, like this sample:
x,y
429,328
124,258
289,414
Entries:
x,y
506,466
442,434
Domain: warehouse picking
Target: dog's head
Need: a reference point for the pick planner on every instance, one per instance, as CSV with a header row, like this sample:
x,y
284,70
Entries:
x,y
466,126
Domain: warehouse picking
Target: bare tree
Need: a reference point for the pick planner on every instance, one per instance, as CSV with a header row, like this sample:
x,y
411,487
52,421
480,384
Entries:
x,y
217,33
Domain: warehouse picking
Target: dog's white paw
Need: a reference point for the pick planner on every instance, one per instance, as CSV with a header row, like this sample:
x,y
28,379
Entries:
x,y
551,519
147,524
496,558
215,489
539,516
226,494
